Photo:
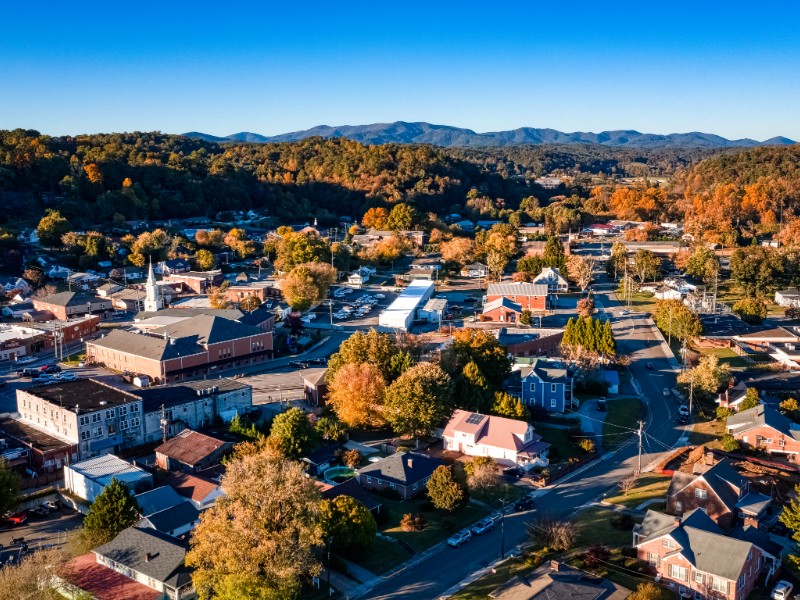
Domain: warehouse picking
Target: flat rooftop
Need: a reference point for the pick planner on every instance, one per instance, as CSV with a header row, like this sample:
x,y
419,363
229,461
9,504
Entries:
x,y
30,436
82,394
187,391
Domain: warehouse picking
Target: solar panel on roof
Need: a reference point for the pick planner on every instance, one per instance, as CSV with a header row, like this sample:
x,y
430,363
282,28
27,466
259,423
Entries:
x,y
474,419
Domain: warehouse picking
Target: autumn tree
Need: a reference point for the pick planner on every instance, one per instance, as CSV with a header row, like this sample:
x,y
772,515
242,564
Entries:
x,y
419,400
585,307
356,393
349,523
646,265
756,270
293,433
647,591
444,490
751,399
249,303
34,277
52,226
706,378
376,218
210,238
481,473
459,250
618,259
579,270
296,248
402,217
675,319
257,542
506,405
150,245
307,283
113,510
372,347
703,264
38,575
480,347
218,295
751,310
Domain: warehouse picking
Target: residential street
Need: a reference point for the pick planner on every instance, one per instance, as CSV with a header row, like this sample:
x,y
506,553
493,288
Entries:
x,y
634,336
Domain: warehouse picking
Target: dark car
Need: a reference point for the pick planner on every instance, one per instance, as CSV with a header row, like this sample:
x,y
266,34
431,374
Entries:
x,y
650,366
32,373
524,503
683,419
469,300
3,383
50,369
319,361
515,472
298,364
601,405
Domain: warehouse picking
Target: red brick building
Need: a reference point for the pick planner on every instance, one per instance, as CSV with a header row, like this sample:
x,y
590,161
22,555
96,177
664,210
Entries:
x,y
715,488
501,310
692,557
197,281
192,347
529,296
66,305
766,429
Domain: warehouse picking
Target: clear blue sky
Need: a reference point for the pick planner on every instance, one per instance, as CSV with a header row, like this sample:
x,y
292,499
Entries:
x,y
273,67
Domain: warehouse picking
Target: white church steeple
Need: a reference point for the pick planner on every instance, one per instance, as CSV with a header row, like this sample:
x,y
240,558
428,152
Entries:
x,y
152,300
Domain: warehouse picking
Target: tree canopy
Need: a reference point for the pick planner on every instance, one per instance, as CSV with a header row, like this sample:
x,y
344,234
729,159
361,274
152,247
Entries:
x,y
419,400
293,433
113,510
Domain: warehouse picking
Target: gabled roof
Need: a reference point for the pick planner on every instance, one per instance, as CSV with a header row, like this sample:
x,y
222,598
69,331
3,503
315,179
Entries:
x,y
701,542
192,486
404,468
518,288
352,488
149,552
67,299
502,302
546,371
171,518
721,478
208,329
151,346
762,416
159,499
190,447
490,430
753,503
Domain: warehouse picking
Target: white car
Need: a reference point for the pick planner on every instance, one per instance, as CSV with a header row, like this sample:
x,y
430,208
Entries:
x,y
381,296
26,360
67,376
683,410
626,312
457,539
311,316
782,591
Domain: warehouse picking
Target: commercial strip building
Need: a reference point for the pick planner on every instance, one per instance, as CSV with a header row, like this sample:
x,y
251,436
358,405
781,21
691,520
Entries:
x,y
400,313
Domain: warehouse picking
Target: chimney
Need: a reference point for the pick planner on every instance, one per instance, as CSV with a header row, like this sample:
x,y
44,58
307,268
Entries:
x,y
677,520
148,557
410,463
710,459
555,566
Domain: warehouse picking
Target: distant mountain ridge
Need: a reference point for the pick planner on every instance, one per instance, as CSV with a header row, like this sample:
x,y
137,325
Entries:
x,y
401,132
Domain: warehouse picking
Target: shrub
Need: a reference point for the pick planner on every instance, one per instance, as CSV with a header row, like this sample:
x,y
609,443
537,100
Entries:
x,y
596,554
411,522
351,458
622,521
723,413
587,445
729,443
557,534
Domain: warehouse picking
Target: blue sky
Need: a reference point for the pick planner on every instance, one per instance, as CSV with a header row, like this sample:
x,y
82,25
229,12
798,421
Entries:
x,y
276,67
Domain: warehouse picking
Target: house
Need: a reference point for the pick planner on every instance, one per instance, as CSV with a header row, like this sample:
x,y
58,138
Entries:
x,y
83,281
360,276
107,289
197,281
28,236
692,557
87,479
406,473
175,521
158,499
716,488
475,270
67,305
501,310
790,297
96,417
148,557
507,441
434,311
190,347
354,490
732,396
557,581
668,293
314,386
528,296
552,278
191,451
13,284
202,490
175,265
600,229
58,272
764,428
465,225
16,310
35,449
546,384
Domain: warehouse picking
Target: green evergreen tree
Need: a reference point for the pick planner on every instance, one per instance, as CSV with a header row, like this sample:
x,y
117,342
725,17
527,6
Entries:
x,y
553,254
791,518
568,339
112,511
445,492
472,389
293,433
609,344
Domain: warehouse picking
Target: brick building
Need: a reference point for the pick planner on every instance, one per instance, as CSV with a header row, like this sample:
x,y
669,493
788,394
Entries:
x,y
262,290
197,281
191,347
529,296
764,428
66,305
692,556
501,310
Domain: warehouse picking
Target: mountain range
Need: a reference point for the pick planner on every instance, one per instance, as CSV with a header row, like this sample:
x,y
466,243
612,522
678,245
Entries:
x,y
401,132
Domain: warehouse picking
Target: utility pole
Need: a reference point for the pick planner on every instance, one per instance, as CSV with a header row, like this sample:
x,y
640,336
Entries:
x,y
641,426
691,394
669,332
503,530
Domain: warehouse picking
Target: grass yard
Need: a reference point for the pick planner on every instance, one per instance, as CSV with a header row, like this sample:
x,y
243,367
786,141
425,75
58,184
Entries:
x,y
623,415
648,487
74,359
435,531
641,301
559,439
382,556
708,433
594,527
495,494
480,589
726,356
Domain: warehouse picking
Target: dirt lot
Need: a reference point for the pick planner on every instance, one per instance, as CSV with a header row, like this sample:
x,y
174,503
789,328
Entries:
x,y
38,533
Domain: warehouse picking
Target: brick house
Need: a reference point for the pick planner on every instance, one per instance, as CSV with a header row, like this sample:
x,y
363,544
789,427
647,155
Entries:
x,y
65,305
191,347
406,473
764,428
547,385
715,488
691,556
529,296
501,310
197,281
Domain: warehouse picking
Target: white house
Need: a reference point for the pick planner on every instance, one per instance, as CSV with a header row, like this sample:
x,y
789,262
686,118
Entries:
x,y
507,441
790,297
9,284
666,293
58,272
552,278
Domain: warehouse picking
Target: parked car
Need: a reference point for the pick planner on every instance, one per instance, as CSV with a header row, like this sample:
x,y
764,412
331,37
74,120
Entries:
x,y
683,410
380,296
298,364
665,392
457,539
524,503
626,312
483,526
3,383
52,504
319,361
469,300
26,360
683,419
51,369
16,518
67,376
650,366
513,472
32,373
39,512
782,591
601,405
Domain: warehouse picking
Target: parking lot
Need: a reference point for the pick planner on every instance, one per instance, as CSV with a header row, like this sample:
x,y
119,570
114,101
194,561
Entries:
x,y
352,307
50,531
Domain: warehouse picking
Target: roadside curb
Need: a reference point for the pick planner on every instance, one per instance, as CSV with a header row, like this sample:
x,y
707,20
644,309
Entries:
x,y
475,575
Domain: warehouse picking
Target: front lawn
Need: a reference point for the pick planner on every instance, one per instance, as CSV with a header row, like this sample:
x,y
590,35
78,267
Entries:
x,y
623,570
382,556
708,433
499,492
648,487
726,356
621,421
594,527
560,440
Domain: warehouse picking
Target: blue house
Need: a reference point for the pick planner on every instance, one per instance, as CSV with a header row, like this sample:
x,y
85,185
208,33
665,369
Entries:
x,y
547,385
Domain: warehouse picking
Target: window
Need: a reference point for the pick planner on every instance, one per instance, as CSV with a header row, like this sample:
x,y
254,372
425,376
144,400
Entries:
x,y
96,417
123,410
680,573
533,387
134,408
767,440
110,413
700,494
123,424
135,422
679,507
667,543
553,388
698,577
98,432
652,559
83,420
85,435
719,585
553,403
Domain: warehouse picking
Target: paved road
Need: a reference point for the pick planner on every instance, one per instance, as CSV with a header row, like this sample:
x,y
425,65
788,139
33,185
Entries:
x,y
634,336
